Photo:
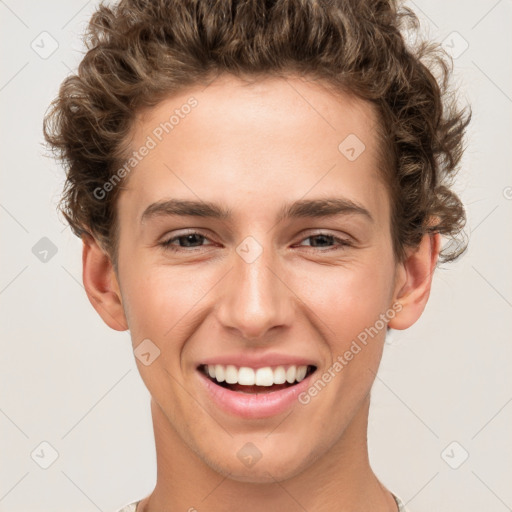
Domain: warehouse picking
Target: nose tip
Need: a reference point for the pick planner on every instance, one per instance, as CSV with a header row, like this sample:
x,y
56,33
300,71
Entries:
x,y
254,301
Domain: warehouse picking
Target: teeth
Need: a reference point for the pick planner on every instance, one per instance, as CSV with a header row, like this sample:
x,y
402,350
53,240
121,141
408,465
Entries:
x,y
291,373
263,377
231,374
218,372
246,376
301,373
279,375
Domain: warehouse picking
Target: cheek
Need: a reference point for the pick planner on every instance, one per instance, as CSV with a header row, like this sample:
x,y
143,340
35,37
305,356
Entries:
x,y
349,303
348,300
161,299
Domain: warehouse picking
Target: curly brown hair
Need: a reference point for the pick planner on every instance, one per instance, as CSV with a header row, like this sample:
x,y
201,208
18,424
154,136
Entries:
x,y
142,51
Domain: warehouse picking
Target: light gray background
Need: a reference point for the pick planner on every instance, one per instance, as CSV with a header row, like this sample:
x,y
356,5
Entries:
x,y
68,380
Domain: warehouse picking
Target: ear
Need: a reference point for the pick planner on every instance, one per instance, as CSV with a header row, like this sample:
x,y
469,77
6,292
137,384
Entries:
x,y
101,284
414,280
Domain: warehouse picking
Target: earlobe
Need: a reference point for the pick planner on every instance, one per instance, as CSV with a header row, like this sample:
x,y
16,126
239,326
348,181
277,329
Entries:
x,y
414,280
101,285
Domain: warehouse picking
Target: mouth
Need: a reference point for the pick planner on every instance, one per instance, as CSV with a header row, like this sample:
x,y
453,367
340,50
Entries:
x,y
256,381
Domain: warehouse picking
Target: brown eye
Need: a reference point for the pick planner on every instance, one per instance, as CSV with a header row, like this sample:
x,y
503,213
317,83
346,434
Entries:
x,y
321,240
189,240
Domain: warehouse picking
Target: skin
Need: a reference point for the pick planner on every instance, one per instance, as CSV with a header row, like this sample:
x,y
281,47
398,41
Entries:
x,y
252,148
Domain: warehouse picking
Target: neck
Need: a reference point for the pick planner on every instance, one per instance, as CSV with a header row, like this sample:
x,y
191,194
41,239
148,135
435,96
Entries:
x,y
341,480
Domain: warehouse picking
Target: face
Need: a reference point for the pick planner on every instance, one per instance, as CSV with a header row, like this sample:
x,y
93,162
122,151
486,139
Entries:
x,y
255,234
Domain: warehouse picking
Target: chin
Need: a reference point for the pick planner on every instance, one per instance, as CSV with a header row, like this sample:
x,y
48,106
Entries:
x,y
268,469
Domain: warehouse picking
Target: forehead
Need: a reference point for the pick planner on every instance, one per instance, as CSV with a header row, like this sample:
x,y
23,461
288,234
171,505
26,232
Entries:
x,y
242,142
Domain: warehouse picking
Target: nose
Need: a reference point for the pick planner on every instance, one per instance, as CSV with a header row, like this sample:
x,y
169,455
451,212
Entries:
x,y
255,298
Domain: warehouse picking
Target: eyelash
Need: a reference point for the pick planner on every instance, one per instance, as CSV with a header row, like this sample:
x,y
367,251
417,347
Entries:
x,y
342,242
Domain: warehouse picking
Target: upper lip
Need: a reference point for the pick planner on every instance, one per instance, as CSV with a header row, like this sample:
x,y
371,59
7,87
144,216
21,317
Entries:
x,y
258,361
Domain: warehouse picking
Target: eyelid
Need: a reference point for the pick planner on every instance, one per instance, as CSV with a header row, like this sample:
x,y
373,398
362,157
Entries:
x,y
168,239
325,232
339,240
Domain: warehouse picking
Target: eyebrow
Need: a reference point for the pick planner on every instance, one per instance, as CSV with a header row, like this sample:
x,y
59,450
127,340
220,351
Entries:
x,y
303,208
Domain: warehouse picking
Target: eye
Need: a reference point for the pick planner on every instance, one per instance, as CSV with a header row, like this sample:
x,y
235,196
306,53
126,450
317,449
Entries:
x,y
191,240
326,240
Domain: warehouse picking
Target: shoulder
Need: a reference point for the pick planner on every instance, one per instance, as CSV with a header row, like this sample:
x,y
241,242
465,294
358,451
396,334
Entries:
x,y
401,506
132,507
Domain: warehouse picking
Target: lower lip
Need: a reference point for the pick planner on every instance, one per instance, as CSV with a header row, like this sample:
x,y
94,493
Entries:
x,y
252,405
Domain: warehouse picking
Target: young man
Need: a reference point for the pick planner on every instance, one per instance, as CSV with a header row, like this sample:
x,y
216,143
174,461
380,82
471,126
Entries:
x,y
260,188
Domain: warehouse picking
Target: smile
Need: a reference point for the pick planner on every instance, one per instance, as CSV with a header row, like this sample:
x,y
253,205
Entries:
x,y
253,393
254,380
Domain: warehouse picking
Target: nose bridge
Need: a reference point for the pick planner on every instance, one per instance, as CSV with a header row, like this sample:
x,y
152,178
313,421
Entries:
x,y
255,300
